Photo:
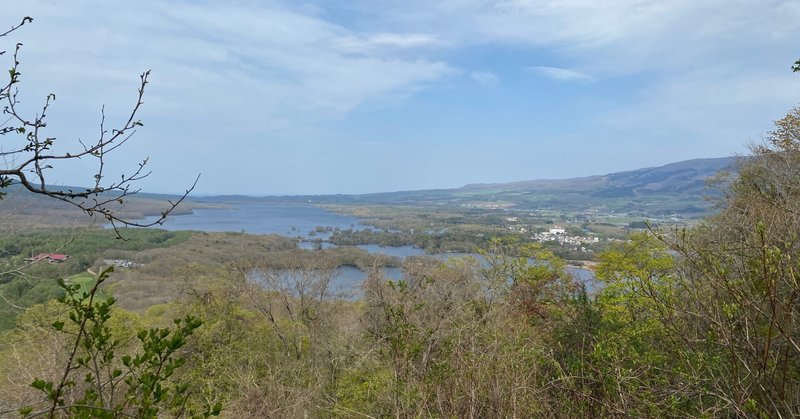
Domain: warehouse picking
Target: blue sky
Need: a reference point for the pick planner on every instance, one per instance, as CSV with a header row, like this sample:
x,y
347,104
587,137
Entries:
x,y
290,97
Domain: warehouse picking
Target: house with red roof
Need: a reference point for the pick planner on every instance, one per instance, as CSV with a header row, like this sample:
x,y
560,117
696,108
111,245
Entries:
x,y
50,257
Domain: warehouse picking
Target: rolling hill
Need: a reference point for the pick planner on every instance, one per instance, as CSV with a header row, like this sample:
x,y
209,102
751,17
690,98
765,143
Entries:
x,y
676,188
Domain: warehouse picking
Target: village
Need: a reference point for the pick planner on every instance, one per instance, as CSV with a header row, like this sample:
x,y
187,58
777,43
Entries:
x,y
559,235
556,234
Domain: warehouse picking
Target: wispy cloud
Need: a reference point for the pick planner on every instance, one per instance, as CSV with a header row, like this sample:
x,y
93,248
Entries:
x,y
385,41
563,74
486,78
606,36
289,67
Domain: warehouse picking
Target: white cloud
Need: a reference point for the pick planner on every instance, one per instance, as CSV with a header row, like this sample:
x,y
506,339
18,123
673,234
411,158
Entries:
x,y
487,78
563,74
227,78
361,44
606,37
232,62
628,36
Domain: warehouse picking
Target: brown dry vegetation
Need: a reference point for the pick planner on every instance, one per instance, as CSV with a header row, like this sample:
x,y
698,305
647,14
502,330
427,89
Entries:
x,y
25,210
206,257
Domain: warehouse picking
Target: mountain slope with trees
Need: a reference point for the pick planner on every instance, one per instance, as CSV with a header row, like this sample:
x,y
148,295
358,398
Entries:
x,y
679,187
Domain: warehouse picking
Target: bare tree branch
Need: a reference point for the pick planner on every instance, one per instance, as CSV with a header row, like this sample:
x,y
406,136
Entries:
x,y
30,159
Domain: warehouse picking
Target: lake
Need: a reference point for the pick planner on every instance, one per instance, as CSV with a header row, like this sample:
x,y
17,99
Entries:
x,y
348,279
284,219
299,221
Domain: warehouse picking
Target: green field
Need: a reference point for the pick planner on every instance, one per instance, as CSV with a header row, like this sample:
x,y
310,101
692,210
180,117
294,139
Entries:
x,y
86,280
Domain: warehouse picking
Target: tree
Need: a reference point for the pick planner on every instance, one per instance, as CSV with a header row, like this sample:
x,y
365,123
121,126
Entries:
x,y
29,155
137,385
718,302
796,66
140,384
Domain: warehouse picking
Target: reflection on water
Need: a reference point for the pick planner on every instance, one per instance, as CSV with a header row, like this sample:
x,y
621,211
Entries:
x,y
302,221
350,278
347,280
307,245
401,252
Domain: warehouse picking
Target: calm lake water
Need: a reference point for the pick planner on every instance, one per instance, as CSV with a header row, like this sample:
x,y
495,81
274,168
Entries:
x,y
348,279
286,220
346,282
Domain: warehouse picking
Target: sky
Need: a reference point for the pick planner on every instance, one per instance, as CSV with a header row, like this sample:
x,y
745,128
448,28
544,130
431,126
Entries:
x,y
290,97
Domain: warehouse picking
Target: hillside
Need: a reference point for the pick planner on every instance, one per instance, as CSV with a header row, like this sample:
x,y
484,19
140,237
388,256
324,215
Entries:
x,y
22,208
676,187
689,174
673,188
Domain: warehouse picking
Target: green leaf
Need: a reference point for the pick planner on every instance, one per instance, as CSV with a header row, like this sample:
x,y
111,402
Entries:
x,y
39,384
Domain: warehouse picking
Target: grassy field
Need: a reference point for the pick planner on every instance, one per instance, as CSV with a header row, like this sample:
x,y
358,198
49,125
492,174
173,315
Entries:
x,y
86,280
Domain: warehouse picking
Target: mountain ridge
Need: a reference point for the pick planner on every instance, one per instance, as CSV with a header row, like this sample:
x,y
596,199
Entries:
x,y
699,165
674,188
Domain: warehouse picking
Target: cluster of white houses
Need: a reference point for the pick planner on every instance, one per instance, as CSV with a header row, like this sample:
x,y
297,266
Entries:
x,y
559,235
121,263
61,257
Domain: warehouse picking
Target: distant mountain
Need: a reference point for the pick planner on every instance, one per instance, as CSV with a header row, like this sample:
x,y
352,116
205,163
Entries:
x,y
676,188
23,207
673,188
685,177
